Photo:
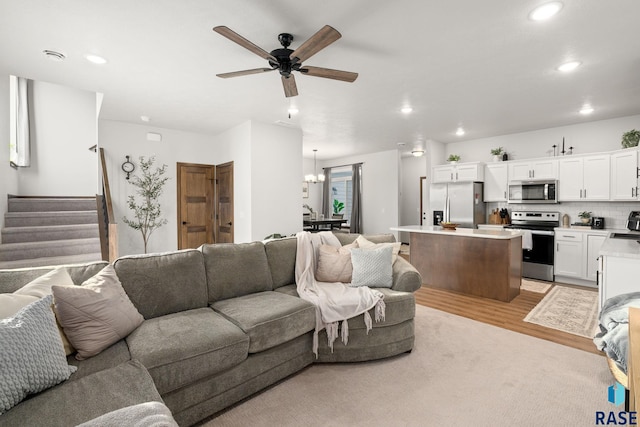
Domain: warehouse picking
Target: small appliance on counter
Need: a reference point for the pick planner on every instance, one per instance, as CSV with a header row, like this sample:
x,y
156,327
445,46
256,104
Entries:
x,y
597,223
633,223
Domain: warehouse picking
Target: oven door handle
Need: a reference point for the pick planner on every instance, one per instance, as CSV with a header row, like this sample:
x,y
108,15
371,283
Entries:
x,y
538,232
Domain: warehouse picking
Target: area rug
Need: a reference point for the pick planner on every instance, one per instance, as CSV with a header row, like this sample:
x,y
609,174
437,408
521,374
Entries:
x,y
567,309
460,373
534,286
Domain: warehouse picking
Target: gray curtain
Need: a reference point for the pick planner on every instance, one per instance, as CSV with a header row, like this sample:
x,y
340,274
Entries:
x,y
356,204
327,203
21,152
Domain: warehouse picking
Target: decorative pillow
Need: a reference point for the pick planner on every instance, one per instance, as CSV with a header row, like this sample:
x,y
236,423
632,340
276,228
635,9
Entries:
x,y
96,314
10,304
41,287
367,244
334,264
32,358
372,267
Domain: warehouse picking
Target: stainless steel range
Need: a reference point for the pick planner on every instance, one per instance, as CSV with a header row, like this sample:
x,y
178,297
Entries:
x,y
537,262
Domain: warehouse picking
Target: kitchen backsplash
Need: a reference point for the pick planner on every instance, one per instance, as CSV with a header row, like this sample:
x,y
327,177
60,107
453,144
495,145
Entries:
x,y
615,214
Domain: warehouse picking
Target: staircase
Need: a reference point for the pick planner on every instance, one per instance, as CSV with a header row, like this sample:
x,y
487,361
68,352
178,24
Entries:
x,y
49,231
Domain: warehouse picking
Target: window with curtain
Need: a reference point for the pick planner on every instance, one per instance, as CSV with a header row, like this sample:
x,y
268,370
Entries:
x,y
19,142
342,189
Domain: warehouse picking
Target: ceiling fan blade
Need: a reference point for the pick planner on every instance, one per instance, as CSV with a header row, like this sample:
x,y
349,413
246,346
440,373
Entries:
x,y
289,84
237,38
328,73
244,72
315,44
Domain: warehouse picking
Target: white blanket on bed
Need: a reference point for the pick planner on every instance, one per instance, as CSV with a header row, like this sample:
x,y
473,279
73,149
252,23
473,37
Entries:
x,y
335,302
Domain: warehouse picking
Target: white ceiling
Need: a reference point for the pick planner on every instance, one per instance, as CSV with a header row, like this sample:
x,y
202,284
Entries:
x,y
482,65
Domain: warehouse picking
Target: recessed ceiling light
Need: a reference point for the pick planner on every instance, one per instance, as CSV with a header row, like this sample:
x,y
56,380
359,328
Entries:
x,y
145,118
586,110
569,66
460,132
293,110
406,110
545,11
417,153
54,55
95,59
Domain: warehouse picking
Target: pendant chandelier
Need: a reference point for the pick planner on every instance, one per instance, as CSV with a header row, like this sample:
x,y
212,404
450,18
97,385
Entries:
x,y
315,177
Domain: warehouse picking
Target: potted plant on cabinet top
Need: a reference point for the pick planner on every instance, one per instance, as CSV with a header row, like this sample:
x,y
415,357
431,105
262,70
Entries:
x,y
497,154
453,158
585,217
630,139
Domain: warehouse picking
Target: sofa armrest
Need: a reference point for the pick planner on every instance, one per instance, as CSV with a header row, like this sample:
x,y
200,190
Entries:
x,y
405,276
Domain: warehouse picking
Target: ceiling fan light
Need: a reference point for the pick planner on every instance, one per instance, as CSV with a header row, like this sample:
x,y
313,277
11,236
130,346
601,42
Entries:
x,y
545,11
569,66
417,153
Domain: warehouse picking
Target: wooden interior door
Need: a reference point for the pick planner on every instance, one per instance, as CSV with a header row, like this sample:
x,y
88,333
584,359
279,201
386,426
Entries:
x,y
224,203
195,205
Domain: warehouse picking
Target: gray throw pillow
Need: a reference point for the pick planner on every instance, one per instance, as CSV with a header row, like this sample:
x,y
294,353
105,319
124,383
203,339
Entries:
x,y
32,357
372,267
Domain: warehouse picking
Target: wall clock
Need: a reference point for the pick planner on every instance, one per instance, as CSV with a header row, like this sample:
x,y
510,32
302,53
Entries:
x,y
128,167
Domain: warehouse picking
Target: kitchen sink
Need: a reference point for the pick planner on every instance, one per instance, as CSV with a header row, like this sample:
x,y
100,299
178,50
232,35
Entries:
x,y
632,236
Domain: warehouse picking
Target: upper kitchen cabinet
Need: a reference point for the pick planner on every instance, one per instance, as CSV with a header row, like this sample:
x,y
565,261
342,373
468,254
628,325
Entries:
x,y
495,182
624,175
533,169
461,172
584,178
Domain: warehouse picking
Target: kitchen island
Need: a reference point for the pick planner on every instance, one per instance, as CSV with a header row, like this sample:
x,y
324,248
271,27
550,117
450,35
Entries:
x,y
484,263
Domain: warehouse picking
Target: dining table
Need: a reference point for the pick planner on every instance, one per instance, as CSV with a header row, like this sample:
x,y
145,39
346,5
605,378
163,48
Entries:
x,y
315,224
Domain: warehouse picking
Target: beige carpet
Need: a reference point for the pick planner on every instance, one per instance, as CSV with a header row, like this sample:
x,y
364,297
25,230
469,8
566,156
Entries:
x,y
460,373
534,286
567,309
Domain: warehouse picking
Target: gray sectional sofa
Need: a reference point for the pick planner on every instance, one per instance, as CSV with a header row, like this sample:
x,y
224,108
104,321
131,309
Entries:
x,y
221,323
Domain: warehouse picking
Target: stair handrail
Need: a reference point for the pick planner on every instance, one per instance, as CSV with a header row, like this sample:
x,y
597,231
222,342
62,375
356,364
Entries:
x,y
110,240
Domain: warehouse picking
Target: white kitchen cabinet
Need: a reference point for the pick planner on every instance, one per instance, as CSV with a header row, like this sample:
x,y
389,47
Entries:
x,y
495,182
576,255
584,178
461,172
533,169
624,175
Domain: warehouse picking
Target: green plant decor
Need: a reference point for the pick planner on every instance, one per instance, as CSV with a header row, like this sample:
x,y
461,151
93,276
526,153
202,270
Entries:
x,y
584,214
147,215
630,138
337,206
307,207
453,158
496,151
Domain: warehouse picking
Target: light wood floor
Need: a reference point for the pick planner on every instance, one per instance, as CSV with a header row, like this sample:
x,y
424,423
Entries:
x,y
505,315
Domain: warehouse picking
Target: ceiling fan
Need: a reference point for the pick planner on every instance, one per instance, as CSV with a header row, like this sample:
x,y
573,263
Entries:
x,y
286,60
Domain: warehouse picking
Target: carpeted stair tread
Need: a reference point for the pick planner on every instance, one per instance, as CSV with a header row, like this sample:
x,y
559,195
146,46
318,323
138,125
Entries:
x,y
50,204
25,219
46,261
25,250
49,232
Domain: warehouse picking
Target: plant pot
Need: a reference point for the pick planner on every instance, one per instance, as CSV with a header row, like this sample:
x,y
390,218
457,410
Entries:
x,y
585,220
453,162
497,158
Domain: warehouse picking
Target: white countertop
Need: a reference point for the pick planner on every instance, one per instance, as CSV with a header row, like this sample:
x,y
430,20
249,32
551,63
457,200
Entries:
x,y
460,232
623,248
600,232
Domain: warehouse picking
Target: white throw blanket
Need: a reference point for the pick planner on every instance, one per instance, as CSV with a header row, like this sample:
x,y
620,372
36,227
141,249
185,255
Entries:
x,y
335,302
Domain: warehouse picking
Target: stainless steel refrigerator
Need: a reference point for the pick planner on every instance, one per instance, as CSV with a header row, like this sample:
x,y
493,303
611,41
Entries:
x,y
457,202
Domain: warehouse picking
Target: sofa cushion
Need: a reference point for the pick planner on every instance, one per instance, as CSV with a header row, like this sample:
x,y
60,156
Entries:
x,y
269,318
288,290
96,314
334,263
400,307
148,414
160,284
75,402
181,348
234,270
281,255
32,357
108,358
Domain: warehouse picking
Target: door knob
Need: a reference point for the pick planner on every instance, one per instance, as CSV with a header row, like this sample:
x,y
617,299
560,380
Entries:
x,y
184,223
229,223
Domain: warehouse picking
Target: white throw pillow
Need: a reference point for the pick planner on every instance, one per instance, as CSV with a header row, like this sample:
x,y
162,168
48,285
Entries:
x,y
32,358
96,314
334,263
372,267
367,244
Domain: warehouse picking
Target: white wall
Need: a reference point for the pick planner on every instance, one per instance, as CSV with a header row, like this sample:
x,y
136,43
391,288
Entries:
x,y
591,137
8,176
411,169
380,198
120,139
63,127
315,190
276,166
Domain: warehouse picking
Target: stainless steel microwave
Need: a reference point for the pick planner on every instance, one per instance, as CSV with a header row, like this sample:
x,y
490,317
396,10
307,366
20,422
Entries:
x,y
533,192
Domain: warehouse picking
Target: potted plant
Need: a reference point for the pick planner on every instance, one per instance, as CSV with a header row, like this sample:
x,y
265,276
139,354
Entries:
x,y
337,206
585,217
630,138
453,158
497,154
